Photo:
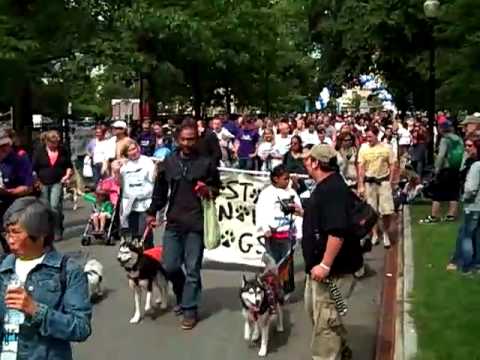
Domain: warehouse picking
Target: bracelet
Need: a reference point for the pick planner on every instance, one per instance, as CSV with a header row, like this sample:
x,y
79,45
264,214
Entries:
x,y
322,265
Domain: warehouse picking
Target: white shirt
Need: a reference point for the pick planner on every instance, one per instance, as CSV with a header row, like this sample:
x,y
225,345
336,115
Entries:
x,y
137,184
269,214
309,138
404,137
282,144
104,150
224,137
24,267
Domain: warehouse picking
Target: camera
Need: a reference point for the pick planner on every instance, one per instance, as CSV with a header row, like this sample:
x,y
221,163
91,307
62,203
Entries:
x,y
287,205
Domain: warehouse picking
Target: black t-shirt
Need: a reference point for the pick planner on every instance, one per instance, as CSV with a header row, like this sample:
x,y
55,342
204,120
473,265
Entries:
x,y
326,213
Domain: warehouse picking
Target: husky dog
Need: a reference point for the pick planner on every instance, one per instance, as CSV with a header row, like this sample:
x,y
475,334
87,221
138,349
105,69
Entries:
x,y
94,271
143,273
262,300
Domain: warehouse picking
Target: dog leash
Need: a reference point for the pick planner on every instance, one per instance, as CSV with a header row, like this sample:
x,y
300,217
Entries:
x,y
337,297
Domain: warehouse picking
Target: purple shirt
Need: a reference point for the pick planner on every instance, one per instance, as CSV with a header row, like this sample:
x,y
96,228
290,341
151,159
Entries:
x,y
16,171
248,140
147,141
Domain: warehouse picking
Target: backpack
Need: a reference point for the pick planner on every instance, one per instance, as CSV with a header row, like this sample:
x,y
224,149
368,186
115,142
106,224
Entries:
x,y
362,217
455,152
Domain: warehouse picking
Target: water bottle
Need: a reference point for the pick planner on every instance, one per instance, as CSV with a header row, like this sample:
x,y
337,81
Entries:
x,y
11,326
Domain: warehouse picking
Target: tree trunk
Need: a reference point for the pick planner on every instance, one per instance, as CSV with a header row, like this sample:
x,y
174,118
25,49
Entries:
x,y
228,104
197,91
267,93
140,95
152,96
23,112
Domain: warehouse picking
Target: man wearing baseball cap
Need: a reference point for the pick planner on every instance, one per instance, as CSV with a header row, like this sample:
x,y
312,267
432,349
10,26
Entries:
x,y
15,177
328,251
121,139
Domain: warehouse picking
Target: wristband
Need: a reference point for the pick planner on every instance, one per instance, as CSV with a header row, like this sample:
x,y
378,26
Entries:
x,y
322,265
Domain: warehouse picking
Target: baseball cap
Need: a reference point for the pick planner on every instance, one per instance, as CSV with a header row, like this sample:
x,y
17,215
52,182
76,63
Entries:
x,y
471,119
323,153
119,124
447,124
5,138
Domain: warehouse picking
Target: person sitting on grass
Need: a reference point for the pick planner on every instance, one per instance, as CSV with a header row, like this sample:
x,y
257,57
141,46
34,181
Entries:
x,y
103,210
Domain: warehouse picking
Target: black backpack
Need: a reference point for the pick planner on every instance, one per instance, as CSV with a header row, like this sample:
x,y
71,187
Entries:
x,y
362,217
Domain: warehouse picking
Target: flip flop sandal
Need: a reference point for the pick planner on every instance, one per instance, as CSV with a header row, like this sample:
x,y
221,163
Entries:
x,y
449,218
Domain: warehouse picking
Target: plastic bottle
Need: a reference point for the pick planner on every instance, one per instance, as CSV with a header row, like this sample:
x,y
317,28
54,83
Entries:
x,y
11,326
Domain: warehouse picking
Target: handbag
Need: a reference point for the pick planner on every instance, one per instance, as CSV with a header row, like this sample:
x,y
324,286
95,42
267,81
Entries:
x,y
87,167
211,226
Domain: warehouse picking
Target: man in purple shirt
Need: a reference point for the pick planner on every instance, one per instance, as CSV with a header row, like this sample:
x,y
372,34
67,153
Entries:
x,y
15,179
246,144
146,139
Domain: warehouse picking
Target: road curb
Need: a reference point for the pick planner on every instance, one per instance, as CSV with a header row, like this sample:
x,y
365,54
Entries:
x,y
406,335
386,328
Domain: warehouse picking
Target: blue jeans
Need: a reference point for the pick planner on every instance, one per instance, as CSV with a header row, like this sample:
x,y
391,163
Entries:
x,y
467,247
53,195
278,249
184,248
137,223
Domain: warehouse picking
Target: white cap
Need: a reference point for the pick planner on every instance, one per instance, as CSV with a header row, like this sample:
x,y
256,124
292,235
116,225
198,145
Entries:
x,y
119,124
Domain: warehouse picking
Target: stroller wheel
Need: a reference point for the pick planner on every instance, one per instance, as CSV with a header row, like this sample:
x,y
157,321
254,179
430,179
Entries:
x,y
86,241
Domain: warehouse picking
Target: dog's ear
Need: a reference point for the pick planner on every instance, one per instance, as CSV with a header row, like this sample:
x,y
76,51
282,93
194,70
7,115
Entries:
x,y
244,280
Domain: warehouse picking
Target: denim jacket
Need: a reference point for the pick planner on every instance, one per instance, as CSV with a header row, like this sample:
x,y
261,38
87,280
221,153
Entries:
x,y
59,319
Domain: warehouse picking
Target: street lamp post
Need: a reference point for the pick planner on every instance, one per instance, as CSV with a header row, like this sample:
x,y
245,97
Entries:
x,y
431,9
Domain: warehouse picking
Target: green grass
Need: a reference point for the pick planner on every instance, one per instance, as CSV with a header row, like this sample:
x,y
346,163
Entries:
x,y
446,305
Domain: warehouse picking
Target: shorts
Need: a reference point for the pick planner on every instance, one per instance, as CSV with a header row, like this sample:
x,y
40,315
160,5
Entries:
x,y
380,197
107,215
446,186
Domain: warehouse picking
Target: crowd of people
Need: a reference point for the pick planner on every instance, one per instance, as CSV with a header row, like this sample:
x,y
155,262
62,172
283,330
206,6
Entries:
x,y
173,166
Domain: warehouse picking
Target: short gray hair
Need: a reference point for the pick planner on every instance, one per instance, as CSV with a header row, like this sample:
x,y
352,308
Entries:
x,y
34,216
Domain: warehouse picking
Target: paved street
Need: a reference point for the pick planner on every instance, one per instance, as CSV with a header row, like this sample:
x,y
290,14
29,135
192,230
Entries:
x,y
219,334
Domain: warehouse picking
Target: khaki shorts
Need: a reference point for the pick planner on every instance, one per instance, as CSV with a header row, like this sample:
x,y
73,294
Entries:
x,y
380,197
329,334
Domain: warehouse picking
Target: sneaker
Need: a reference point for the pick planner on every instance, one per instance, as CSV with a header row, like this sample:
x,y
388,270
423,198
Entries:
x,y
375,240
429,220
449,218
360,272
189,323
386,241
452,267
177,310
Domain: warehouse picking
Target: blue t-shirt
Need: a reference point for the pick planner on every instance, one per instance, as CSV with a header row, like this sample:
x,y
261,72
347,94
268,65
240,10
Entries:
x,y
16,171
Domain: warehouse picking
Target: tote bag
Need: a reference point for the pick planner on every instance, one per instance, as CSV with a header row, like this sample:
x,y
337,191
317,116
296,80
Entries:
x,y
211,227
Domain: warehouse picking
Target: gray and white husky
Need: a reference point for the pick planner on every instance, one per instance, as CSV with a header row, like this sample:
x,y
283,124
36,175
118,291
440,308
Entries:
x,y
262,299
144,273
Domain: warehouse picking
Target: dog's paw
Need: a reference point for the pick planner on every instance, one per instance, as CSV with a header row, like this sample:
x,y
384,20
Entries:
x,y
280,328
242,212
262,352
135,319
255,335
228,238
254,195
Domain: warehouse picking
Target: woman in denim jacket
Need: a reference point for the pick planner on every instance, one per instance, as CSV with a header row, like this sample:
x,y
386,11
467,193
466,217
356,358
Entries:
x,y
54,297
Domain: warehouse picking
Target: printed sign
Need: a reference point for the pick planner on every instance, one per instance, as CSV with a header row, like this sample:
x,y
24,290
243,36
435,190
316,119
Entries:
x,y
241,241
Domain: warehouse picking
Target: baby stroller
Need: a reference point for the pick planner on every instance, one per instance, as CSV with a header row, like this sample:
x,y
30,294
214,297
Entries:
x,y
112,226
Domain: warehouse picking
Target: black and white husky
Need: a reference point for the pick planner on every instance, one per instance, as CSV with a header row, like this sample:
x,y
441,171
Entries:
x,y
144,273
261,298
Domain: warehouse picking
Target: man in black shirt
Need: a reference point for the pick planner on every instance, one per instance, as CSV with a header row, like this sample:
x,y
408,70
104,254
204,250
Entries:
x,y
183,180
328,252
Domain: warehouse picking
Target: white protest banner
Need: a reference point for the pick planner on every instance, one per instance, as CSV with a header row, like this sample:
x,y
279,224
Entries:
x,y
241,242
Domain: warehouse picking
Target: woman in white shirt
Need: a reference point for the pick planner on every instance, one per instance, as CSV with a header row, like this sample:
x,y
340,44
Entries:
x,y
137,176
278,217
266,150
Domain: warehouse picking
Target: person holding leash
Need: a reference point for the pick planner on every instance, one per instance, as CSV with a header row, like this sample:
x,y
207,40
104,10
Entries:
x,y
183,179
329,252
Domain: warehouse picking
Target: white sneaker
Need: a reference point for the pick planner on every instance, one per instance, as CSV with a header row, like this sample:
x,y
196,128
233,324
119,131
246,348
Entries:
x,y
375,240
386,241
